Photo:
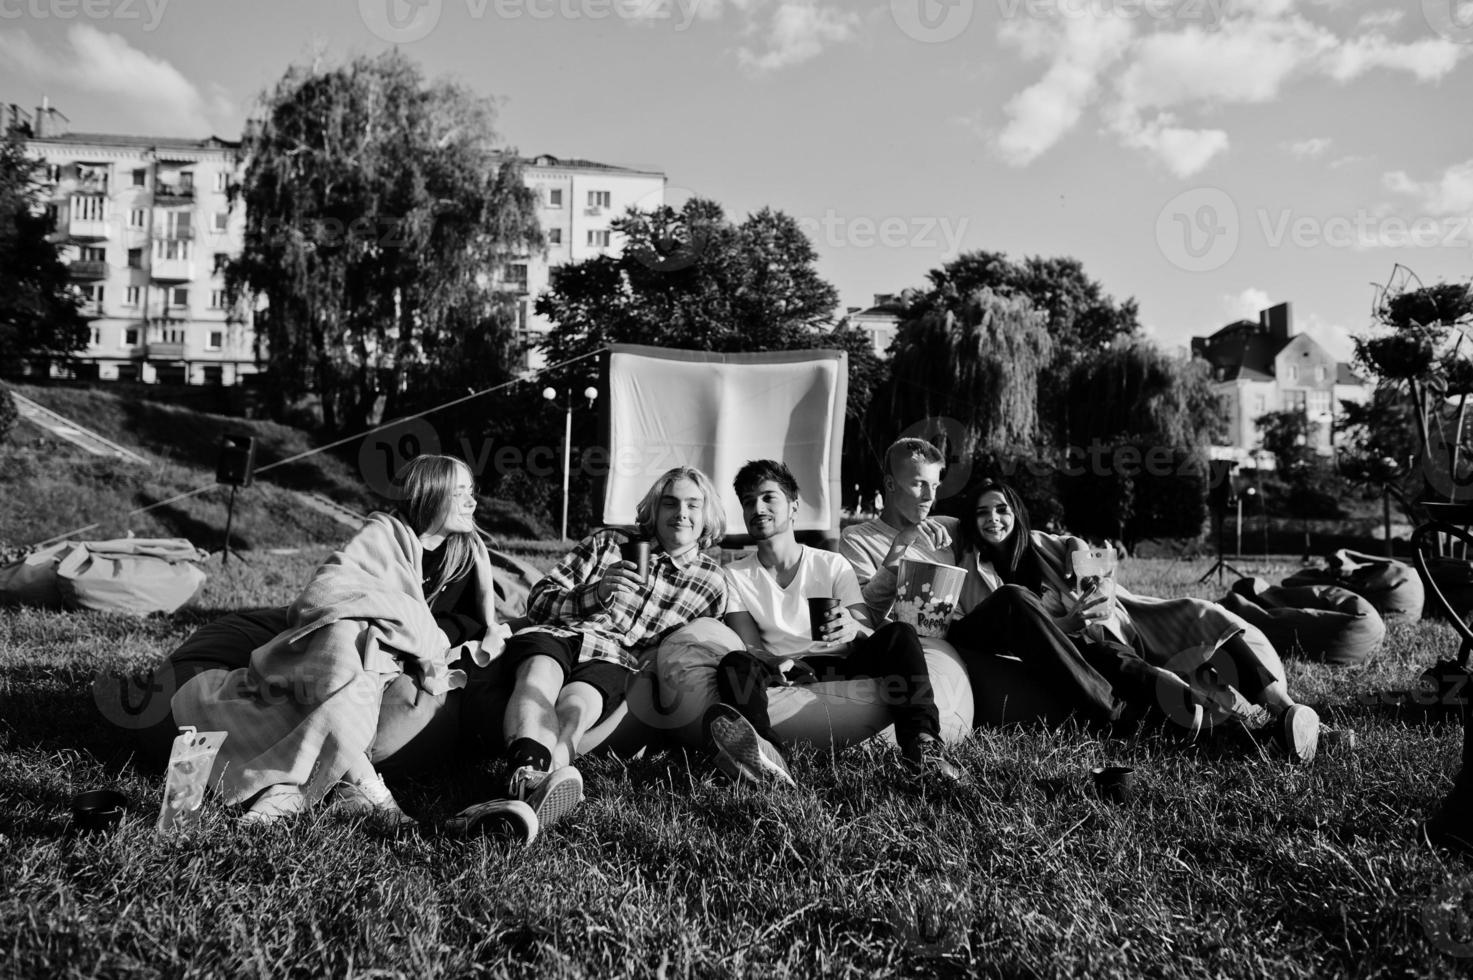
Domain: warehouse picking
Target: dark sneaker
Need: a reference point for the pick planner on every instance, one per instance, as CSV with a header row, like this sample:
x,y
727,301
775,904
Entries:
x,y
926,755
510,820
551,795
1298,732
741,753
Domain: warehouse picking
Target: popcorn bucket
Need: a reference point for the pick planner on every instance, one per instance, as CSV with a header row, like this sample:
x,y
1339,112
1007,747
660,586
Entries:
x,y
926,594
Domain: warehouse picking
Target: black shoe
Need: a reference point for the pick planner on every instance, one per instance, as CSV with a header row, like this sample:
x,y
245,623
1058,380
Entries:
x,y
926,755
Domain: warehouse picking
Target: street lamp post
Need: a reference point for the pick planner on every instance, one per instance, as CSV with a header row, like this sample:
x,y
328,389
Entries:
x,y
550,394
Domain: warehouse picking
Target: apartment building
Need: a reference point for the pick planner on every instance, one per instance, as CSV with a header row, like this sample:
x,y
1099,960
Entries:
x,y
146,226
578,201
1264,366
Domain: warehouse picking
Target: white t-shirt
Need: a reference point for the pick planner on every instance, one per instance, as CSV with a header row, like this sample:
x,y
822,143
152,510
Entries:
x,y
782,614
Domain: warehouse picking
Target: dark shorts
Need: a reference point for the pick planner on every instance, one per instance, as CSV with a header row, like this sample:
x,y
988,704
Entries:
x,y
604,676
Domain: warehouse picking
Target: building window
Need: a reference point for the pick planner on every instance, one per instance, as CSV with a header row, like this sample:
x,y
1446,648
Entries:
x,y
217,299
91,253
92,296
222,181
1321,373
53,173
555,197
222,220
186,181
140,178
135,258
598,199
179,296
516,276
216,340
132,295
222,259
130,337
96,336
137,218
598,239
554,236
1319,403
1292,373
1295,401
88,208
176,225
1260,405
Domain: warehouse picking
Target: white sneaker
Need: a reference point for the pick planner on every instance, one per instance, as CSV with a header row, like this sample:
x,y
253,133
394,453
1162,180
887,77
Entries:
x,y
274,803
370,798
743,754
510,819
551,795
1299,732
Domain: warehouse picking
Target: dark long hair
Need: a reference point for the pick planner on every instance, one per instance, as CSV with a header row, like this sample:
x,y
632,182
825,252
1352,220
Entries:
x,y
1015,559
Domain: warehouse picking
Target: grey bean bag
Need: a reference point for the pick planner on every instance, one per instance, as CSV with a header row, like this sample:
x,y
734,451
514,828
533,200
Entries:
x,y
1322,623
1392,586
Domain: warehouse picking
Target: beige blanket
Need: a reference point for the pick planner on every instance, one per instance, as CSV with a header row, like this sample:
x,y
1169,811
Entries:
x,y
308,703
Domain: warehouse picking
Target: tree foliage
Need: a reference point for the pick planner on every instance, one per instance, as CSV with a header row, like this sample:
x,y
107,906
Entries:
x,y
379,212
39,309
974,358
690,278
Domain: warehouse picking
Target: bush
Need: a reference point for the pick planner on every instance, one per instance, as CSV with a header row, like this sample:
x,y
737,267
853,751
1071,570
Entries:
x,y
8,414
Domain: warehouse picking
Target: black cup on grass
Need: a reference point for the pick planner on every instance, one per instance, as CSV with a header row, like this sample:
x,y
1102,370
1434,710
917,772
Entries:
x,y
1114,783
98,809
637,550
818,614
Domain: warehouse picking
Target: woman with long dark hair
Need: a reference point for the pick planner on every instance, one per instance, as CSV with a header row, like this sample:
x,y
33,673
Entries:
x,y
1192,658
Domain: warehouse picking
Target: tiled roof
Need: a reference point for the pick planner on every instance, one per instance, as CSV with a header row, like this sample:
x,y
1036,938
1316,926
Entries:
x,y
142,142
1345,375
575,163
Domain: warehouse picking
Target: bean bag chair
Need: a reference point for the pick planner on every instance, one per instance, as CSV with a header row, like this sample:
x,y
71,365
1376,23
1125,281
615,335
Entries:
x,y
1322,623
128,575
1393,587
829,714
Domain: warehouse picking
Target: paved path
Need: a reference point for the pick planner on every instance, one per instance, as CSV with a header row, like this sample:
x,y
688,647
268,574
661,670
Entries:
x,y
64,428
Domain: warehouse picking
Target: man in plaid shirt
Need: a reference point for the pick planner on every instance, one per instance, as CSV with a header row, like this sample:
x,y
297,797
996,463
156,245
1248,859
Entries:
x,y
593,617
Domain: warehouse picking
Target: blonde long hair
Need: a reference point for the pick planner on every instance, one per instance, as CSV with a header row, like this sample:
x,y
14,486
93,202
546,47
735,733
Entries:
x,y
713,515
429,492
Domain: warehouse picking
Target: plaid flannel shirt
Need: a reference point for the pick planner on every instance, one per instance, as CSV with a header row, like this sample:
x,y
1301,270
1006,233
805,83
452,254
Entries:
x,y
565,602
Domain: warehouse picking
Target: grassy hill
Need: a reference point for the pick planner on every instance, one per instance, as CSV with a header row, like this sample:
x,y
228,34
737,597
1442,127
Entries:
x,y
51,487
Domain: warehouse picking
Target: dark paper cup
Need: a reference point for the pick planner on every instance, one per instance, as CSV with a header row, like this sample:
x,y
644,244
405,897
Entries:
x,y
1114,783
818,612
637,550
98,809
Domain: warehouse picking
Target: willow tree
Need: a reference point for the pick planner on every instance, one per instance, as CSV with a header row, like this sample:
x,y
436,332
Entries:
x,y
379,211
975,358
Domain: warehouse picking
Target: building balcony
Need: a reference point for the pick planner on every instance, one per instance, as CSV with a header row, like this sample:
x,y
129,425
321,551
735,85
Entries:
x,y
90,185
165,194
88,269
84,229
166,352
172,270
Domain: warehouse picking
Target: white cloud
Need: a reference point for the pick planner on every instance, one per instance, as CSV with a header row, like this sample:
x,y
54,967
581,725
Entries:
x,y
1449,194
1040,115
1151,84
1334,338
137,88
797,31
1247,304
1373,19
1309,149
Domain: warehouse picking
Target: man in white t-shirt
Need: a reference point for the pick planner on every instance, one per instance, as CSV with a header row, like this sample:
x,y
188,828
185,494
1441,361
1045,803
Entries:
x,y
768,596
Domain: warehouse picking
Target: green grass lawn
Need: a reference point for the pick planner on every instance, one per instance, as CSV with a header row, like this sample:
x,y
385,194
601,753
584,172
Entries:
x,y
1227,864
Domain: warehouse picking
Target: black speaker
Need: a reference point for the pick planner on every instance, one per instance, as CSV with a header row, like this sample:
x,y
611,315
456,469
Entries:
x,y
1220,484
237,461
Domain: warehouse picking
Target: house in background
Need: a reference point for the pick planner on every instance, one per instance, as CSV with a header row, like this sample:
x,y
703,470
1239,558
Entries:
x,y
878,321
1264,366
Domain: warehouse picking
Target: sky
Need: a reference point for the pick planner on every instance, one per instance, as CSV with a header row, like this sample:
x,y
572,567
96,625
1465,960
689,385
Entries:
x,y
1206,157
